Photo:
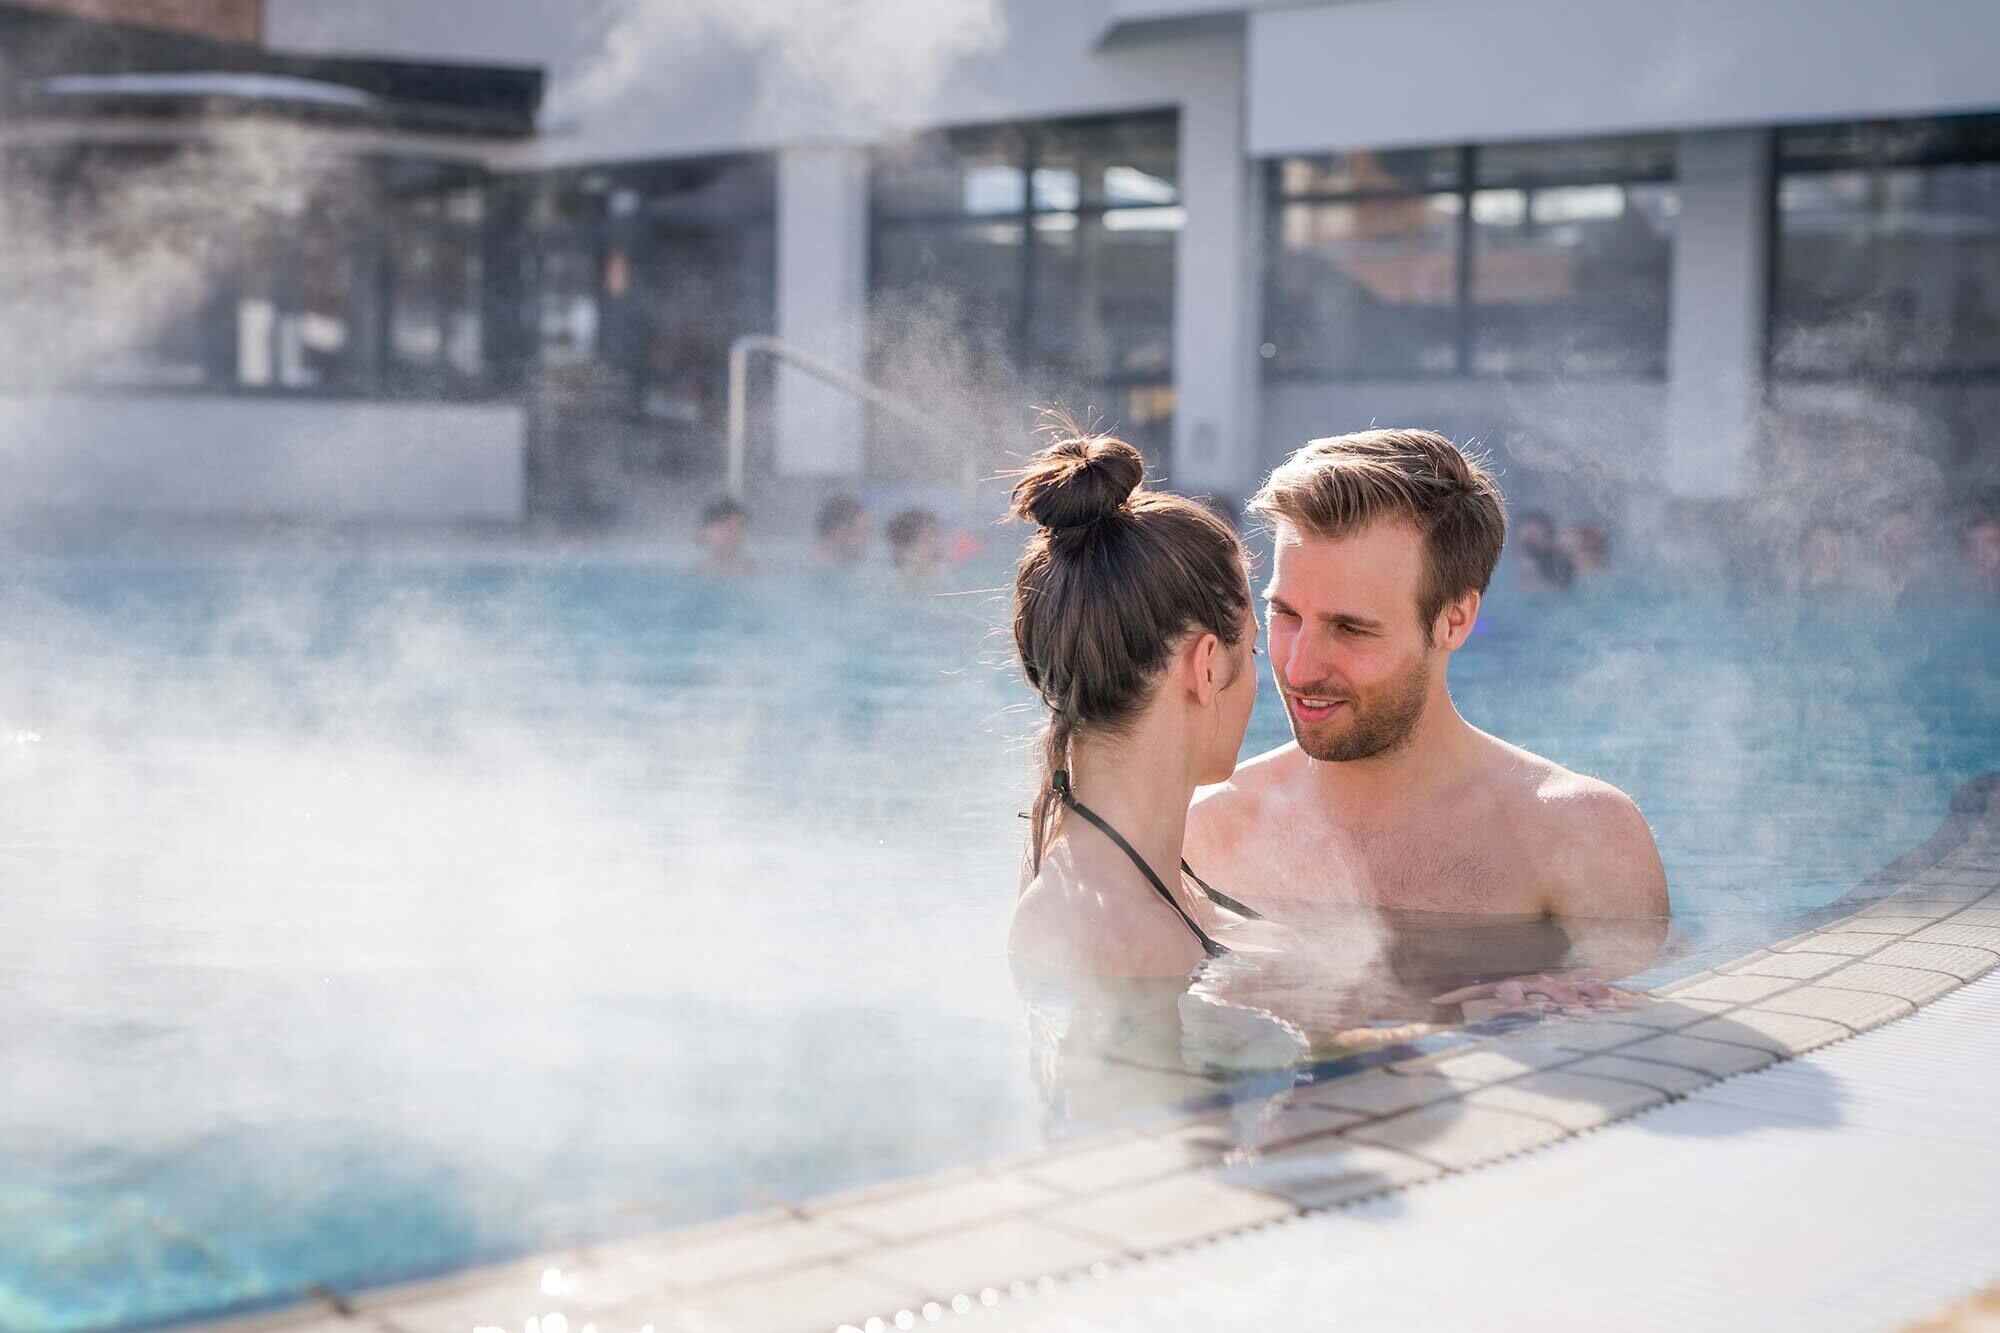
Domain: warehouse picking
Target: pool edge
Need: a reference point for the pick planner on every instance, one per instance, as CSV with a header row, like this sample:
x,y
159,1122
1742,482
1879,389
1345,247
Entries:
x,y
910,1251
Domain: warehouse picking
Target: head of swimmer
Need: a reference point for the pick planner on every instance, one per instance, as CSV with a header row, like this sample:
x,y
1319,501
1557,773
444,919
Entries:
x,y
1384,542
1132,611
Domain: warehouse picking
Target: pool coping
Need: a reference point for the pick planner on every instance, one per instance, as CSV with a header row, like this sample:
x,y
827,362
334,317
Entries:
x,y
912,1251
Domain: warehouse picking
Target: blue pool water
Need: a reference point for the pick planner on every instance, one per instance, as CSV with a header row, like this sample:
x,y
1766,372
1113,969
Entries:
x,y
366,917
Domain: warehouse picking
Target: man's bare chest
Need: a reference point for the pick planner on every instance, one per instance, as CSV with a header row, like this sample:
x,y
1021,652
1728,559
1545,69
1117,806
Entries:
x,y
1421,865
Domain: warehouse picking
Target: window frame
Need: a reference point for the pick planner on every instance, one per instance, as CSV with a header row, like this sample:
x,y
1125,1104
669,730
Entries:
x,y
1466,184
1033,133
1879,154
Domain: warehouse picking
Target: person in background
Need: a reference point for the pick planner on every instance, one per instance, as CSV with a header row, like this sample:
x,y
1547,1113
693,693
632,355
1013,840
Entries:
x,y
1589,548
916,547
724,526
1822,559
1545,566
843,531
1982,550
1897,560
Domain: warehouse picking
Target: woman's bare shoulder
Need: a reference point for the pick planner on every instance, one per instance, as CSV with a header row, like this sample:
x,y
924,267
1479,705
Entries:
x,y
1079,915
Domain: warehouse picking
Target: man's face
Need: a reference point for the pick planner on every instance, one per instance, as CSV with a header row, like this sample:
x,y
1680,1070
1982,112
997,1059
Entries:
x,y
1984,543
848,543
1348,651
724,536
1536,532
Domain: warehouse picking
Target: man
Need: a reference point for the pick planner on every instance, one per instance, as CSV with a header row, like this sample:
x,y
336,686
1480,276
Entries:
x,y
1544,563
1387,798
916,547
843,531
1982,551
724,526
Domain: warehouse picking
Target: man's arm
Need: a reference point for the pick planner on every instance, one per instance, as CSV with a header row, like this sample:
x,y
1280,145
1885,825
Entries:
x,y
1610,889
1606,862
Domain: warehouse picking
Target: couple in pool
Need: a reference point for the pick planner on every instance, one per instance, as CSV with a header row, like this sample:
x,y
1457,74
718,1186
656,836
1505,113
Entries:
x,y
1134,620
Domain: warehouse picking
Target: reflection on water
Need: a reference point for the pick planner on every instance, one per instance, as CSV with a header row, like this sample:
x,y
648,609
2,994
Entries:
x,y
370,917
1300,999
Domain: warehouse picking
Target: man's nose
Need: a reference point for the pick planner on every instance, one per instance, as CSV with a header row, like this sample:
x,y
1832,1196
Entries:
x,y
1308,663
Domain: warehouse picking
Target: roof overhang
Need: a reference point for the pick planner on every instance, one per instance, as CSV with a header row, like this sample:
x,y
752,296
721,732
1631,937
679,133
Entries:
x,y
56,65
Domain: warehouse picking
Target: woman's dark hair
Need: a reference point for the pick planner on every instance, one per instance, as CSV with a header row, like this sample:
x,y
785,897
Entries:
x,y
1115,579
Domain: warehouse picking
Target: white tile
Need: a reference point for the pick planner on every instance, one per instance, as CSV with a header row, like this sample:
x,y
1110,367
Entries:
x,y
1576,1101
989,1255
1455,1134
1170,1212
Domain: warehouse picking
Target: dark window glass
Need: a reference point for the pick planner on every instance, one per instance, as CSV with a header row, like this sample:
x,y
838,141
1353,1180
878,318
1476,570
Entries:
x,y
1888,270
1568,270
1946,139
1407,171
1572,280
956,173
1103,302
1648,157
1031,262
1121,163
1366,288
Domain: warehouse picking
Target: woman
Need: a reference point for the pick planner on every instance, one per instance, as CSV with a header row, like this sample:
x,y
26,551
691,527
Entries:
x,y
1133,621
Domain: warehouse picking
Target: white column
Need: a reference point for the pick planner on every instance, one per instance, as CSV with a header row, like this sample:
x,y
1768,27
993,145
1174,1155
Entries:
x,y
1216,297
1715,350
822,301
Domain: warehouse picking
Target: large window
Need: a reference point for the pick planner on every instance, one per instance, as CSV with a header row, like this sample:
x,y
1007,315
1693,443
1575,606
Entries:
x,y
648,271
1511,259
1048,248
1888,251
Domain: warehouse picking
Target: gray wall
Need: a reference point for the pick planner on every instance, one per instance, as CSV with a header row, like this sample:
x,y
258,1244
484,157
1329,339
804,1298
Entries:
x,y
639,79
200,456
1407,72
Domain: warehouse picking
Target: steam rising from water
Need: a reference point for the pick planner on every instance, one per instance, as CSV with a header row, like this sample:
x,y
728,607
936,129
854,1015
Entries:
x,y
139,246
860,66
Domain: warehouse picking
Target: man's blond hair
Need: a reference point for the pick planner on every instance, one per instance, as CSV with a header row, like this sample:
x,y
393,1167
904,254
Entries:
x,y
1337,486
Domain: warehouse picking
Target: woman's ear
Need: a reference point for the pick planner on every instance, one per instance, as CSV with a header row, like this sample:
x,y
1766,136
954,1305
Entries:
x,y
1206,666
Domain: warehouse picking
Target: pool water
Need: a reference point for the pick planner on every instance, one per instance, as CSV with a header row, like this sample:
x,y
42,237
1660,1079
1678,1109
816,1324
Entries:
x,y
370,916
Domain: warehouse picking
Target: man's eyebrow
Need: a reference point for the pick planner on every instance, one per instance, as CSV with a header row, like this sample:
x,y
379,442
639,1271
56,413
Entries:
x,y
1337,619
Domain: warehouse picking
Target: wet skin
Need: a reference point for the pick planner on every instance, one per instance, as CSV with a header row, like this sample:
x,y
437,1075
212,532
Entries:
x,y
1447,820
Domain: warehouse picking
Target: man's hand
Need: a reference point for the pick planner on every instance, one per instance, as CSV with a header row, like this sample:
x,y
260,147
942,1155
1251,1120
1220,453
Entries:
x,y
1540,994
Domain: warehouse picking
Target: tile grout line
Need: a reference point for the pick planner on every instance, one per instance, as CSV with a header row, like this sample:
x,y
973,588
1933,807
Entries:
x,y
822,1215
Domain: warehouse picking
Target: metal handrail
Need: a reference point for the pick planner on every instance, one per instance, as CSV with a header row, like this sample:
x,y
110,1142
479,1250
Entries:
x,y
739,401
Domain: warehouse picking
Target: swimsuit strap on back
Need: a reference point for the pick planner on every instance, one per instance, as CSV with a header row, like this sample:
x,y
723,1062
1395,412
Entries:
x,y
1221,899
1060,780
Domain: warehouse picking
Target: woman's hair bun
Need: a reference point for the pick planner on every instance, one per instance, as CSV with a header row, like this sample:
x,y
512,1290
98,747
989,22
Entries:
x,y
1078,479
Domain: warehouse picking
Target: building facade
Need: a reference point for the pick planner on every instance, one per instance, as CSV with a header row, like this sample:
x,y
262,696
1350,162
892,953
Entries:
x,y
1664,259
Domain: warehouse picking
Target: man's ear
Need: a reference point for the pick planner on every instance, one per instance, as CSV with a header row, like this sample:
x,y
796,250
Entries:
x,y
1205,667
1455,622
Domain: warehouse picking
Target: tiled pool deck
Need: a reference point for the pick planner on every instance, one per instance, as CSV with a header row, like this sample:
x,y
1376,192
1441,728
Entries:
x,y
917,1251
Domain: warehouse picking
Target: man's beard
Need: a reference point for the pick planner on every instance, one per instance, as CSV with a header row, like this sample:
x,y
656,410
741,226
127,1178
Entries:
x,y
1384,724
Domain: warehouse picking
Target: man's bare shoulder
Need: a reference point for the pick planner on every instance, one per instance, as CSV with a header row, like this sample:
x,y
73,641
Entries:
x,y
1602,856
1226,811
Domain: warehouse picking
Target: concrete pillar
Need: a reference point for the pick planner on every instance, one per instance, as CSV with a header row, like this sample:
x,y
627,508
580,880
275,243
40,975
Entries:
x,y
1715,349
1217,296
822,297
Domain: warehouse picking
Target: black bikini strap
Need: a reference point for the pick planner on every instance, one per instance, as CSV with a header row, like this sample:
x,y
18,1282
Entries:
x,y
1060,780
1221,899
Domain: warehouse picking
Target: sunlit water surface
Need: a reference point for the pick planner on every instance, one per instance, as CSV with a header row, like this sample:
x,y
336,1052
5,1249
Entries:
x,y
367,918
